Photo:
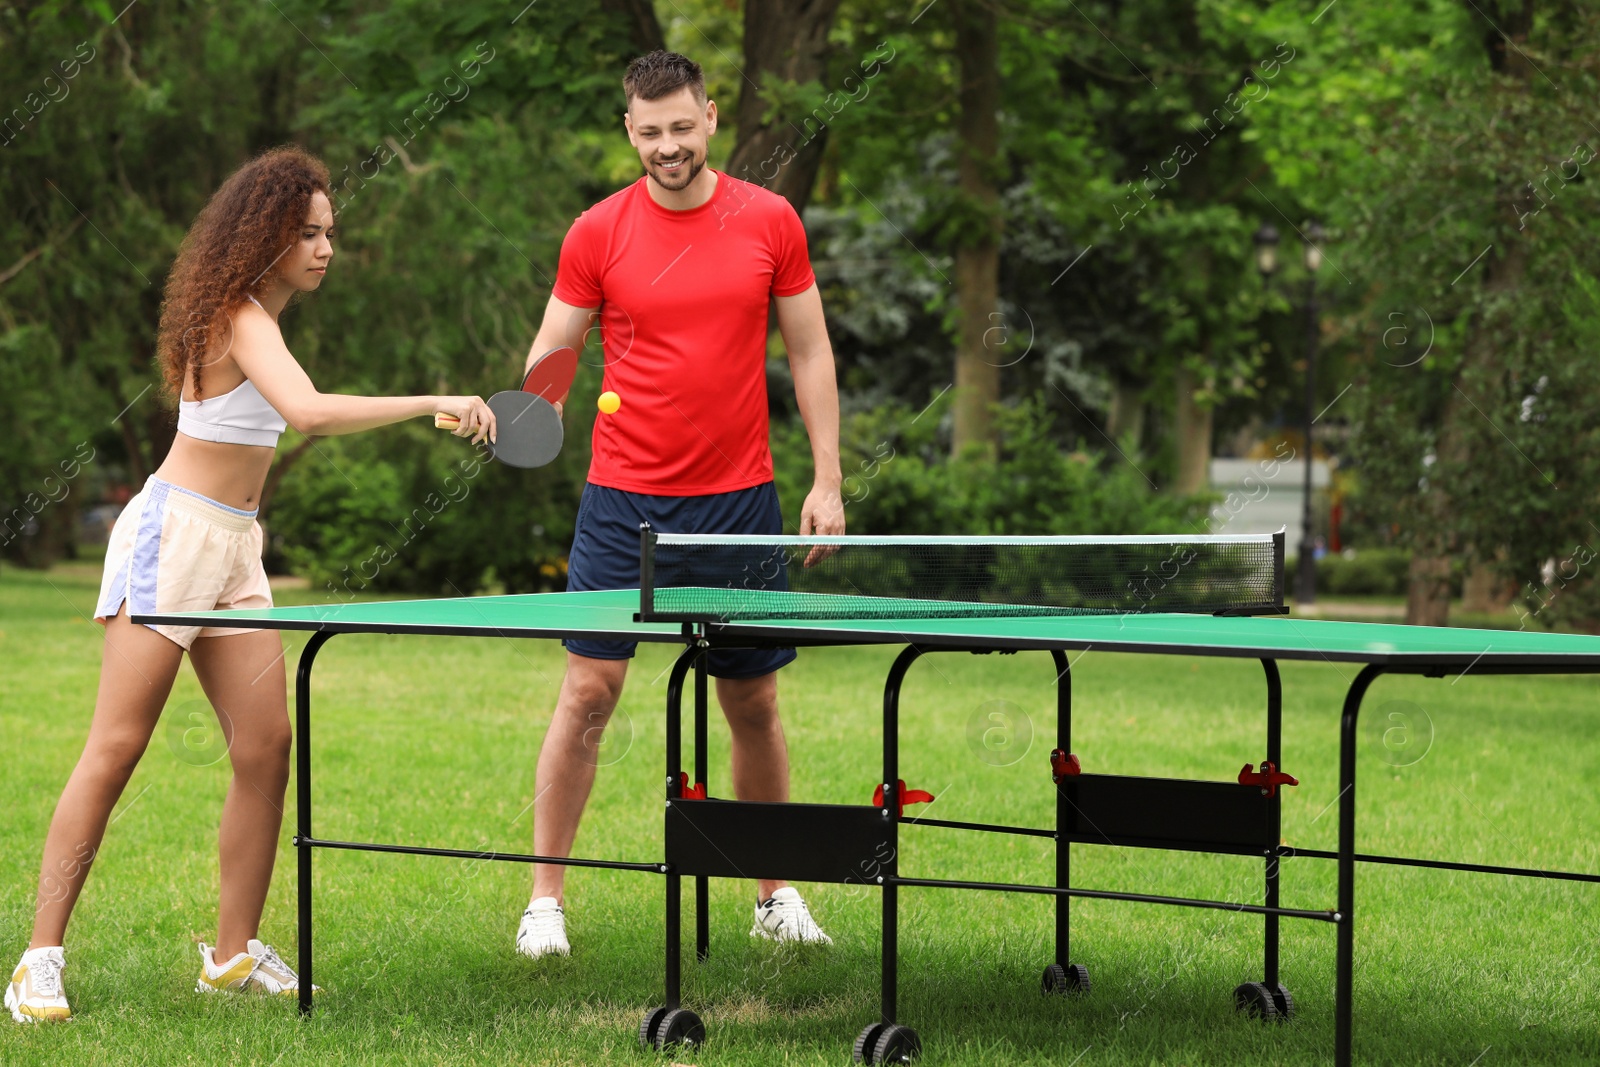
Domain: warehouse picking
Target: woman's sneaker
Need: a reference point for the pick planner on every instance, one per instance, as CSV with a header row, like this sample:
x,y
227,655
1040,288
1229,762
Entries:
x,y
259,970
36,994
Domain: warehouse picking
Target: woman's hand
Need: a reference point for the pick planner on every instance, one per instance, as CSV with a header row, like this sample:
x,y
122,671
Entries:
x,y
476,420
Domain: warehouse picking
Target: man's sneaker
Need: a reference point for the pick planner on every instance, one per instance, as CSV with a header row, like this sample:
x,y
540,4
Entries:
x,y
544,930
258,970
785,917
36,994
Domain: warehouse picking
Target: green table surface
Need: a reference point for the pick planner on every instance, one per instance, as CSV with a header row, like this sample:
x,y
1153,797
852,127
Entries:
x,y
610,614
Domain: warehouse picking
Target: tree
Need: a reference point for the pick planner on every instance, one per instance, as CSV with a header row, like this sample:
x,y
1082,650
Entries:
x,y
784,108
1464,238
102,170
977,243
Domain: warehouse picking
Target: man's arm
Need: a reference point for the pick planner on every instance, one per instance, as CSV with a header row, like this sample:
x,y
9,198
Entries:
x,y
805,335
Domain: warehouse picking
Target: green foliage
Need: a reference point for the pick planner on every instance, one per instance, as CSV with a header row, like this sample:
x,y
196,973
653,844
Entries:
x,y
1110,272
43,487
464,138
1364,572
377,513
900,480
452,199
1467,337
111,137
409,508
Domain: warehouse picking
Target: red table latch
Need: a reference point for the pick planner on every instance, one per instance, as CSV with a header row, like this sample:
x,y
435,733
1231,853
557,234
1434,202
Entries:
x,y
691,790
1063,765
907,796
1269,778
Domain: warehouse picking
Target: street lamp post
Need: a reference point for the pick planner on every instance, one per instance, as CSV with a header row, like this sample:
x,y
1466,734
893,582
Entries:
x,y
1305,586
1266,241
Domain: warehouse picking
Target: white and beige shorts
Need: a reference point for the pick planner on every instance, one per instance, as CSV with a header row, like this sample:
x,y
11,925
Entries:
x,y
174,550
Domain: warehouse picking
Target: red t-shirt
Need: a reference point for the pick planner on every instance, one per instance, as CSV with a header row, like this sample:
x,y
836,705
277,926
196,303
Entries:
x,y
683,298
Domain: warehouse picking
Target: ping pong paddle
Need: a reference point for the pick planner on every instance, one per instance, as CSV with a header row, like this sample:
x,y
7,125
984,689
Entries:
x,y
551,374
528,434
527,428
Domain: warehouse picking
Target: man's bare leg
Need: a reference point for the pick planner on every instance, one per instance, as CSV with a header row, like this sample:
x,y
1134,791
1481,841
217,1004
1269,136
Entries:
x,y
567,762
760,754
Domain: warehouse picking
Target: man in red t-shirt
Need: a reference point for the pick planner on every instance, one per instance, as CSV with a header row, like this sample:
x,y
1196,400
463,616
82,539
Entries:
x,y
679,270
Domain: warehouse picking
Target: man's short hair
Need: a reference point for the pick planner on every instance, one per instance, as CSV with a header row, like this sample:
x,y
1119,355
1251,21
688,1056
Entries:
x,y
661,73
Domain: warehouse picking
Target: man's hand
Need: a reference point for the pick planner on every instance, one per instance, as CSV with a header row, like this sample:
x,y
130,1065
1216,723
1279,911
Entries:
x,y
822,513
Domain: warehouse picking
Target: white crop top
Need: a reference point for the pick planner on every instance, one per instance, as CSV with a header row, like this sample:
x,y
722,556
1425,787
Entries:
x,y
241,416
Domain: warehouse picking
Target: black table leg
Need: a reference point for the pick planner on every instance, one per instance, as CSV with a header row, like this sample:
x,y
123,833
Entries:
x,y
1345,959
1063,845
891,802
671,1023
702,884
1275,757
302,839
886,1041
1061,975
690,657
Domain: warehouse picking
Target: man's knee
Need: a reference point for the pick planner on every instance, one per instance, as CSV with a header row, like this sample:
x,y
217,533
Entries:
x,y
749,702
593,685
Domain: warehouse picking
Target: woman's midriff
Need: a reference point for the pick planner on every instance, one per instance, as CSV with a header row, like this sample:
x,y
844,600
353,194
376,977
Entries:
x,y
229,474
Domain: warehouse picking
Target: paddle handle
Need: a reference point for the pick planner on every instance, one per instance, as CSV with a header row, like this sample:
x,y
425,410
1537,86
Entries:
x,y
441,421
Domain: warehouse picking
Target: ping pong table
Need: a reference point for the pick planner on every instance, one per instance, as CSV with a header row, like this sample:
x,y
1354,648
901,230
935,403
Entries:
x,y
707,837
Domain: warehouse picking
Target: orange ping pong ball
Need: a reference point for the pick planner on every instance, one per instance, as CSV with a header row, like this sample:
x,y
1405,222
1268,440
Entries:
x,y
610,402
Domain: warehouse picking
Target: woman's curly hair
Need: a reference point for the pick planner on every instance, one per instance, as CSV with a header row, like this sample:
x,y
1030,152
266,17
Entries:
x,y
228,254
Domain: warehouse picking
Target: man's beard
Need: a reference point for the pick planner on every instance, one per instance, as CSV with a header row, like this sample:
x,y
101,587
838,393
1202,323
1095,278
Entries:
x,y
682,177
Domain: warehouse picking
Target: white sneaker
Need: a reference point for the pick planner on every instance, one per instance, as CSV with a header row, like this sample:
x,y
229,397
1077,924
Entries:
x,y
36,994
258,970
544,930
785,917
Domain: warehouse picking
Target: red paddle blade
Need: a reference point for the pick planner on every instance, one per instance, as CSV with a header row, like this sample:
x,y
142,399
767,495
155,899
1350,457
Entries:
x,y
551,375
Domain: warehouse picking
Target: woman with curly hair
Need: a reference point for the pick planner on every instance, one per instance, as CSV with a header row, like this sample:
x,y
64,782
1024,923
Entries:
x,y
189,541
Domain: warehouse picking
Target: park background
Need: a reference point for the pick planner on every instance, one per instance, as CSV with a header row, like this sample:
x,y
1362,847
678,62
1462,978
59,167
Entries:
x,y
1034,224
1037,226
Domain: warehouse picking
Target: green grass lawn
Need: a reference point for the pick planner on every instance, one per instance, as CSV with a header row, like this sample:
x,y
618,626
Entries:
x,y
433,740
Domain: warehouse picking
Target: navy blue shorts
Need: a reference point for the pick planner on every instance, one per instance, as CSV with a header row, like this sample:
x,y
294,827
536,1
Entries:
x,y
605,555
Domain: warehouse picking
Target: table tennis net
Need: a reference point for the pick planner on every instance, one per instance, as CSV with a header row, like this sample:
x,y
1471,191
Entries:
x,y
728,578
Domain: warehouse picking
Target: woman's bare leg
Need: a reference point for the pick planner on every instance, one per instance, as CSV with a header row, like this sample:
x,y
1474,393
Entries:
x,y
137,667
243,676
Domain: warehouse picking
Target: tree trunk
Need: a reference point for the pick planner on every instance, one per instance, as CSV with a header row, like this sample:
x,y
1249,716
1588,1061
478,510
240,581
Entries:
x,y
1484,591
644,30
1428,591
977,266
1434,546
788,41
1127,413
1193,428
1428,595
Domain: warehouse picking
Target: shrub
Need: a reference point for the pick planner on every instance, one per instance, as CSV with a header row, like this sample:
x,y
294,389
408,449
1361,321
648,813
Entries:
x,y
899,479
408,508
1364,572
